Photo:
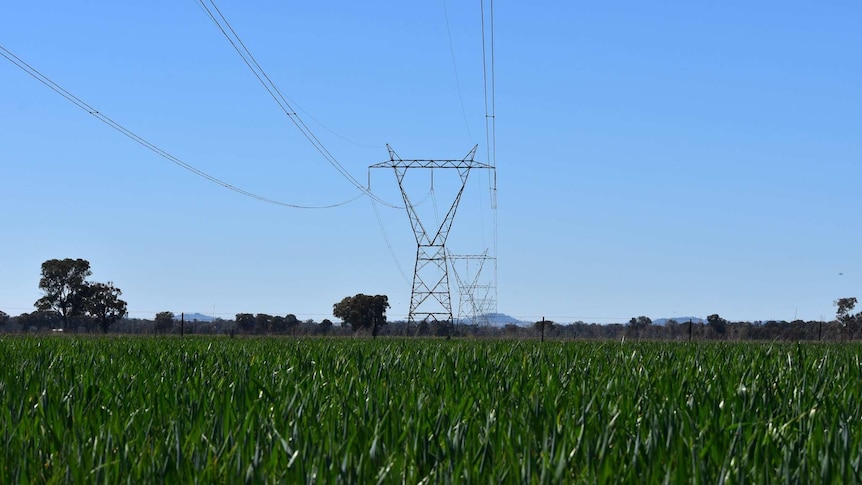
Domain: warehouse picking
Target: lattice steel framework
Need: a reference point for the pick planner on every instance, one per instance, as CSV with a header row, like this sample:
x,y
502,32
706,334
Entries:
x,y
430,297
475,301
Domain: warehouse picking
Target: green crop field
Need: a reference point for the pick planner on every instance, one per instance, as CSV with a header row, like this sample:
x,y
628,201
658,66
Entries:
x,y
148,410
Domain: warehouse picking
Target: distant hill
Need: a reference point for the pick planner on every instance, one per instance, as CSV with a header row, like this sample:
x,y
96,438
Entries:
x,y
663,321
496,320
194,317
501,319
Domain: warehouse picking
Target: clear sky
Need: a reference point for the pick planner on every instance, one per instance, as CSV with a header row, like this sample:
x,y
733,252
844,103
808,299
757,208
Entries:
x,y
654,158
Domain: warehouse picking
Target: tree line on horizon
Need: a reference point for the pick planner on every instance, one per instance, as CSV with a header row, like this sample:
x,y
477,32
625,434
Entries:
x,y
247,324
71,303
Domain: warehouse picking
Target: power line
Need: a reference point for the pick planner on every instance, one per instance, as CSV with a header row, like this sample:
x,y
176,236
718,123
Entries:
x,y
285,104
33,72
489,85
489,81
254,61
282,101
455,68
389,243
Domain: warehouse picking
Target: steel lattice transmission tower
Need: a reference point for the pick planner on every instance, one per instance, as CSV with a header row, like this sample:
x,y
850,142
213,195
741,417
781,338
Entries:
x,y
430,298
476,299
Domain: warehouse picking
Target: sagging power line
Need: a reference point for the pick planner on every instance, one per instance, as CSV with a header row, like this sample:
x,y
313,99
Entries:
x,y
83,105
248,58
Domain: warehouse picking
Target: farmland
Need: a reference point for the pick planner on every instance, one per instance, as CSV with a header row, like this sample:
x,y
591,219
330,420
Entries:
x,y
114,409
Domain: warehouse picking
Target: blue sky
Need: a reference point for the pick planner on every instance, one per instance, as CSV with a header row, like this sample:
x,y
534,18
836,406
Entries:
x,y
654,158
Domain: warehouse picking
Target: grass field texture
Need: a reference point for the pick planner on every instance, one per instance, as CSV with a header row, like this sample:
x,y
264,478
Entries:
x,y
218,410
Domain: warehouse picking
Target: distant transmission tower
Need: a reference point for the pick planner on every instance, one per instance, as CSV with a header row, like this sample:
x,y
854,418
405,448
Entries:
x,y
430,298
476,300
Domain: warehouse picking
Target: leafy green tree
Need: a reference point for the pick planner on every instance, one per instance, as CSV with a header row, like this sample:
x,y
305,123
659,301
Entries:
x,y
103,304
844,312
442,328
40,320
4,317
362,311
290,320
845,306
325,326
263,322
164,322
277,325
64,284
245,322
639,323
717,323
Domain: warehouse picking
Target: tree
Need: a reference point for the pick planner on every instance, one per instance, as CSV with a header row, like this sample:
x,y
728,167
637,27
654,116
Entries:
x,y
103,303
845,306
39,320
639,323
277,325
64,285
362,311
511,329
290,321
717,323
4,317
542,326
442,328
164,322
263,322
245,322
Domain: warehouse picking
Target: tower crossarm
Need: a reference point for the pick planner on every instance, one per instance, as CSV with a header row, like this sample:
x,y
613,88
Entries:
x,y
438,164
465,163
481,258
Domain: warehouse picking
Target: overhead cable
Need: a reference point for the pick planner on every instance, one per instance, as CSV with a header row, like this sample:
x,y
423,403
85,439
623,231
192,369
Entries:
x,y
455,69
33,72
236,42
489,82
389,243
